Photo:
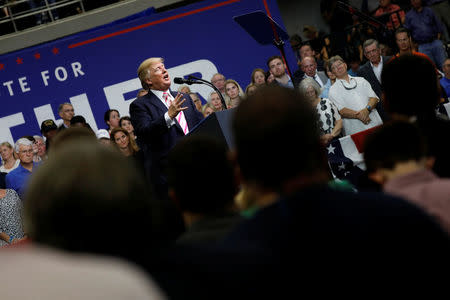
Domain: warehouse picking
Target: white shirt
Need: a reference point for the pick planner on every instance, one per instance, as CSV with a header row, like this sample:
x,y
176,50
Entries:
x,y
377,69
355,99
5,170
317,79
159,94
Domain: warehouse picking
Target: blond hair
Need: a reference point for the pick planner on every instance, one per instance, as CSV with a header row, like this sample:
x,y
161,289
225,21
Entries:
x,y
143,71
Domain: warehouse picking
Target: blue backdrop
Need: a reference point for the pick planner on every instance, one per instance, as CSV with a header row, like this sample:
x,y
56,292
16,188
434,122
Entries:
x,y
96,70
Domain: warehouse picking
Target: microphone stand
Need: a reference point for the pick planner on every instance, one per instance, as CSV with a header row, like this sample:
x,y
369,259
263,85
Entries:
x,y
224,105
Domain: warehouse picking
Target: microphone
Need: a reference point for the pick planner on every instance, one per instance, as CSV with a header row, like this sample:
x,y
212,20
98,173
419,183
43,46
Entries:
x,y
179,80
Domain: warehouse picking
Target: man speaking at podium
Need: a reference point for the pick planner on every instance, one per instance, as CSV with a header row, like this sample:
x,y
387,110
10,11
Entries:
x,y
160,118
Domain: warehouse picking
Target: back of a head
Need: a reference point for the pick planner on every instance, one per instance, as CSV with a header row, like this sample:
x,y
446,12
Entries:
x,y
393,143
410,86
276,137
89,198
71,134
210,186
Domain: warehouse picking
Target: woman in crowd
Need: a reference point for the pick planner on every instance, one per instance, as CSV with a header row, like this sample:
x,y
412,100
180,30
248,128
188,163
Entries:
x,y
197,101
330,122
331,80
234,92
112,118
250,89
215,101
125,123
184,89
258,77
123,141
207,109
8,159
10,217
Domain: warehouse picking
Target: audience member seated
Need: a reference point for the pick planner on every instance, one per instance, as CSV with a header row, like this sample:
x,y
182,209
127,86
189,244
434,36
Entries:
x,y
354,99
49,131
41,149
309,67
403,169
103,137
66,113
17,178
208,109
258,77
9,162
125,123
184,89
250,89
214,100
10,217
218,80
197,101
445,80
278,69
112,118
234,93
306,51
371,70
330,122
208,213
411,93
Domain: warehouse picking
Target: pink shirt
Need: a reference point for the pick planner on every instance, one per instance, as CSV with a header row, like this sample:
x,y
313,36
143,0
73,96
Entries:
x,y
426,190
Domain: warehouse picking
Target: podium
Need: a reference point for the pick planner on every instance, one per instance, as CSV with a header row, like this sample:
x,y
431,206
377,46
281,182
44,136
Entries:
x,y
218,126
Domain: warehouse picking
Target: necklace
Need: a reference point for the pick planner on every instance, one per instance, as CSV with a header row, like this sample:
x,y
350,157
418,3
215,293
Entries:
x,y
349,87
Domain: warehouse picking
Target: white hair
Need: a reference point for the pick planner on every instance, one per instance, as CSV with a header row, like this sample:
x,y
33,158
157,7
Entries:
x,y
23,142
38,137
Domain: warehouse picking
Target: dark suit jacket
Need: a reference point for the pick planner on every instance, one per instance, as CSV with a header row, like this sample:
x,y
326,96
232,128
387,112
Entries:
x,y
367,73
155,138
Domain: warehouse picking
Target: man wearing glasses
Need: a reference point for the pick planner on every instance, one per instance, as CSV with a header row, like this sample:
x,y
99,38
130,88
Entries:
x,y
354,98
17,178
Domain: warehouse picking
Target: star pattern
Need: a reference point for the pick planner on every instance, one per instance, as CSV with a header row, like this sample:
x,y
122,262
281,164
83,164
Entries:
x,y
330,149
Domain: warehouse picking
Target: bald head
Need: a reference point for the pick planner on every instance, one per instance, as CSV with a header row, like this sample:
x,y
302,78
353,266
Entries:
x,y
309,66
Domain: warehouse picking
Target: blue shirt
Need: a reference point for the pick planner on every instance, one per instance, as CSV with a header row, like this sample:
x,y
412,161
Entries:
x,y
424,25
445,82
17,179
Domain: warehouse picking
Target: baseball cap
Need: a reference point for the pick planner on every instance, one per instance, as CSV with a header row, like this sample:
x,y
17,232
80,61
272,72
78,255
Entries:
x,y
48,125
102,134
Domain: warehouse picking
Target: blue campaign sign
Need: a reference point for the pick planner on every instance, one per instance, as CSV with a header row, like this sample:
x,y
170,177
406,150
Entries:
x,y
96,70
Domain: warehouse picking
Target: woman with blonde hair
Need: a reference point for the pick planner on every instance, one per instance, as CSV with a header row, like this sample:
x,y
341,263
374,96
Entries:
x,y
215,101
234,92
8,159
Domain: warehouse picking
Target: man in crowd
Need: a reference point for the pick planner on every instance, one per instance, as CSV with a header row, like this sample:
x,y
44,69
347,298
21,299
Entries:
x,y
426,30
49,130
278,69
306,51
371,70
309,67
218,80
445,81
17,178
354,98
66,112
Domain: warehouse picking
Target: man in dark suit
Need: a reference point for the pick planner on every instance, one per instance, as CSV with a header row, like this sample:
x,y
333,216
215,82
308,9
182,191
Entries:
x,y
160,118
309,67
371,71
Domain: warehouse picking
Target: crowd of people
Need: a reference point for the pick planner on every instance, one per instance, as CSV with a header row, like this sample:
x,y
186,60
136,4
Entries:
x,y
193,219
